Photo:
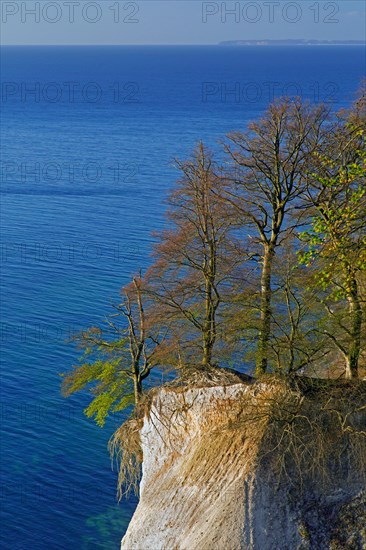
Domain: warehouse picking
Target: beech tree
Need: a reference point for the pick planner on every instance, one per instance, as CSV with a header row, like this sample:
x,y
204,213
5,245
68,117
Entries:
x,y
227,268
195,261
269,167
336,243
120,356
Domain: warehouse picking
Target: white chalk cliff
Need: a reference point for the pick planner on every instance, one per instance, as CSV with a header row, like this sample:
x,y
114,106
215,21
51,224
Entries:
x,y
207,484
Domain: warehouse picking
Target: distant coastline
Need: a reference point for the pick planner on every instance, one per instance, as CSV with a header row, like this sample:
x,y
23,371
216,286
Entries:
x,y
293,42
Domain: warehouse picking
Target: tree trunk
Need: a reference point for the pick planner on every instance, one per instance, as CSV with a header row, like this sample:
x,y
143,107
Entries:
x,y
137,387
211,304
207,353
354,348
209,326
265,317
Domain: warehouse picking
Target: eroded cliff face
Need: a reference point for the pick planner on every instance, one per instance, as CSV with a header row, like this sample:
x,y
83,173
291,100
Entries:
x,y
207,484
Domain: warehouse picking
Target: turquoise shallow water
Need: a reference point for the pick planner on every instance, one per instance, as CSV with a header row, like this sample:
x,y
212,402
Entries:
x,y
84,175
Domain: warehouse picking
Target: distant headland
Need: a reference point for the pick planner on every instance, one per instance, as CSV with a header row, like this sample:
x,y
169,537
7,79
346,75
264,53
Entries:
x,y
292,42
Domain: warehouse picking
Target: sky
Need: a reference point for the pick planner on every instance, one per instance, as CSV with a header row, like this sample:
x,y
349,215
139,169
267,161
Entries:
x,y
178,21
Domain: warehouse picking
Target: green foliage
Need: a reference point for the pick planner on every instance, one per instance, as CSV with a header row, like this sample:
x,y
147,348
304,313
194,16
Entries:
x,y
119,357
107,403
108,382
336,239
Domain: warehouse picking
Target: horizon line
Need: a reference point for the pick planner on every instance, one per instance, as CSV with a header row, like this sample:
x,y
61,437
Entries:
x,y
223,43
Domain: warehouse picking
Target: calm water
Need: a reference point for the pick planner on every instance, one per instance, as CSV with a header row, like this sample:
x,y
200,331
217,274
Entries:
x,y
89,135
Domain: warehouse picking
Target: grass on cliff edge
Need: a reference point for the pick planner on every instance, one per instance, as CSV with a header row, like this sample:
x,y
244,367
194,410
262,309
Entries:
x,y
307,430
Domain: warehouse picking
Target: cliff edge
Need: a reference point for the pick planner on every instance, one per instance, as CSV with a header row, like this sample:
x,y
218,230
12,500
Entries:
x,y
253,465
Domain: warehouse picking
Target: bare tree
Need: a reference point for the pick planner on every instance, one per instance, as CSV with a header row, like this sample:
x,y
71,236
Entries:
x,y
119,356
269,170
143,337
195,259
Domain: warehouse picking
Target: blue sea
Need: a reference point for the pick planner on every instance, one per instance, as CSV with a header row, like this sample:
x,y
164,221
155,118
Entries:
x,y
89,137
